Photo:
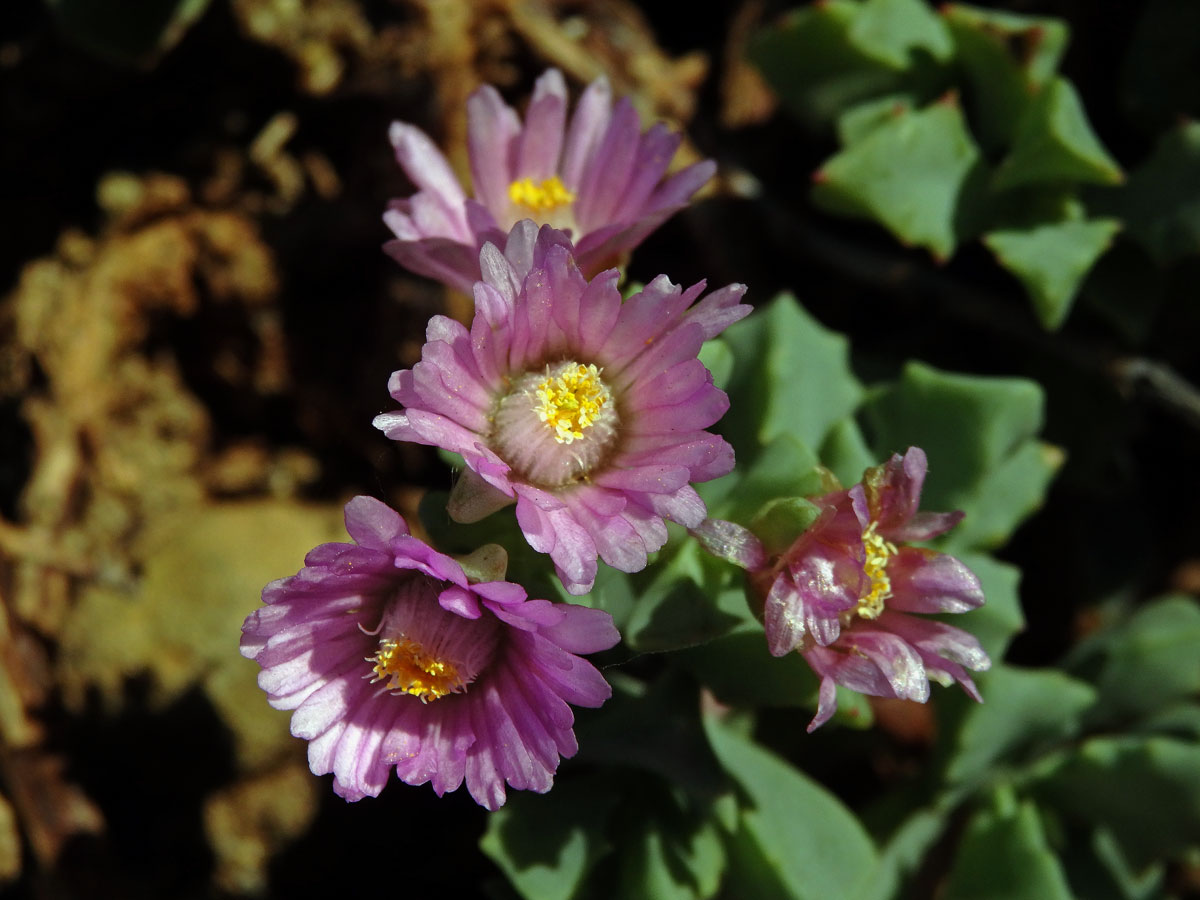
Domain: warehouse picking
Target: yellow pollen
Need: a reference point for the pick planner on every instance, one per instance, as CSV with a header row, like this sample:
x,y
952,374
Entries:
x,y
410,670
878,553
572,401
540,198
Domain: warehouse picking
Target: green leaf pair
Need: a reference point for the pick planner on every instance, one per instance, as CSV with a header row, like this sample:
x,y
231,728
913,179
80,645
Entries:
x,y
890,75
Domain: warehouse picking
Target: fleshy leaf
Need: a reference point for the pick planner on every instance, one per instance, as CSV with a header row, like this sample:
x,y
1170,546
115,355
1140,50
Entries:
x,y
1146,791
904,850
916,175
543,845
1011,492
1007,57
1055,143
661,862
1150,661
689,600
896,31
738,669
785,468
861,119
977,434
1101,870
811,62
1052,260
718,359
1004,855
781,521
796,840
656,729
846,453
1024,709
1161,201
791,376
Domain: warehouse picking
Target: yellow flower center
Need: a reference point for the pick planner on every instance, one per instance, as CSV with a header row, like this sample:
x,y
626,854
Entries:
x,y
572,401
540,198
408,669
878,553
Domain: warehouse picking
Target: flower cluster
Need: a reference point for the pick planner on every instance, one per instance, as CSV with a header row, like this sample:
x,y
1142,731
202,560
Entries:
x,y
590,414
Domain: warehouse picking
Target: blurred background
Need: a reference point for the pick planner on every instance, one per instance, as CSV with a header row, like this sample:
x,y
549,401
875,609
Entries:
x,y
197,325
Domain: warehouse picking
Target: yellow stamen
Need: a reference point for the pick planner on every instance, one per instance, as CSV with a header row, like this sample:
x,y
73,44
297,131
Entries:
x,y
540,198
878,553
410,670
572,401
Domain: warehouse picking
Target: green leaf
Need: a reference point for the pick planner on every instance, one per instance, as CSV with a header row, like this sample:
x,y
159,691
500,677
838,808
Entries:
x,y
896,32
655,728
904,851
861,119
915,174
1153,660
1100,871
846,453
1051,261
1004,855
718,359
791,376
143,30
1007,57
783,520
1161,201
1146,791
1055,143
1180,720
784,468
811,62
661,861
976,432
688,599
741,672
546,843
796,839
1012,492
1023,709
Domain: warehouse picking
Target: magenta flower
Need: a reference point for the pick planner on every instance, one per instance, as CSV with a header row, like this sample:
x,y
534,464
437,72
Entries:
x,y
391,658
588,412
844,593
598,178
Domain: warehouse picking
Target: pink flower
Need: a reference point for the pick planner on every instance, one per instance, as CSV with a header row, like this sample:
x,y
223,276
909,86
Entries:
x,y
844,594
599,178
588,412
392,658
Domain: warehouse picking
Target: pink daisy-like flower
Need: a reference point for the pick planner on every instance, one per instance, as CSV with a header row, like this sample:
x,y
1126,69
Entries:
x,y
590,413
844,593
598,177
392,658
